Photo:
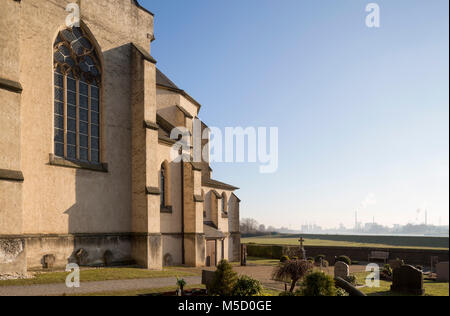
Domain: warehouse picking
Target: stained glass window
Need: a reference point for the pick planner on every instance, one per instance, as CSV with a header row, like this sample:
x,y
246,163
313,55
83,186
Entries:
x,y
77,81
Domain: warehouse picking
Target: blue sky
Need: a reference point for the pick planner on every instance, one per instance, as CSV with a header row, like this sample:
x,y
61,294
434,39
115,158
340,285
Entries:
x,y
361,112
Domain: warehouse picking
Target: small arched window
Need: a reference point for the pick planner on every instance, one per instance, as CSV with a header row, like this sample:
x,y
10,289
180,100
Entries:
x,y
162,185
77,80
165,187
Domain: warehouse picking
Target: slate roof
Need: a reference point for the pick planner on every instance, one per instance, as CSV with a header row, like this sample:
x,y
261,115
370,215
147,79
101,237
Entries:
x,y
163,81
218,185
212,232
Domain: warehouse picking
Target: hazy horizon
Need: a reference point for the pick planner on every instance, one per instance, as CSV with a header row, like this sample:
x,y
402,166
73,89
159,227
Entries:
x,y
363,113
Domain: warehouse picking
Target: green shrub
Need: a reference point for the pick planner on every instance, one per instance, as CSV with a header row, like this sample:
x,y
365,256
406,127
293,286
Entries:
x,y
224,280
387,270
325,264
265,251
318,258
284,259
344,259
310,259
318,284
294,258
341,292
246,286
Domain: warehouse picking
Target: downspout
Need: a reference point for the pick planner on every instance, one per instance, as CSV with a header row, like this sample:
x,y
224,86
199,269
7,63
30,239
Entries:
x,y
183,256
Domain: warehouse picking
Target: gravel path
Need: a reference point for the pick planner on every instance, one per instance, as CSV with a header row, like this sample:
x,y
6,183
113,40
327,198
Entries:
x,y
93,287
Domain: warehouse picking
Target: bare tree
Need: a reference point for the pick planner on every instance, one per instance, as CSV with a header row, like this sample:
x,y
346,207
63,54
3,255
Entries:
x,y
249,225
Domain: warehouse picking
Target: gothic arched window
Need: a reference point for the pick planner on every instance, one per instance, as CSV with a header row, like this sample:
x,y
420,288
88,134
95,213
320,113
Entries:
x,y
77,73
163,186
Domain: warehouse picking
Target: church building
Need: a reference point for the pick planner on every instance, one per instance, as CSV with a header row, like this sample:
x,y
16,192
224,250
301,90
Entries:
x,y
87,170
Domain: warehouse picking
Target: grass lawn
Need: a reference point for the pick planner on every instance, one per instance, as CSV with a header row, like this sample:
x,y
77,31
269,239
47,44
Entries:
x,y
141,292
258,262
431,288
102,274
269,240
266,292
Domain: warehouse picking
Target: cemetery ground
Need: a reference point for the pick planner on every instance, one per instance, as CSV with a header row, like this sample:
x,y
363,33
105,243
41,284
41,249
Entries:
x,y
140,282
432,288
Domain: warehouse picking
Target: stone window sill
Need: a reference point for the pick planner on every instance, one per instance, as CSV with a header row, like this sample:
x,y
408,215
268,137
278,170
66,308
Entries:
x,y
61,162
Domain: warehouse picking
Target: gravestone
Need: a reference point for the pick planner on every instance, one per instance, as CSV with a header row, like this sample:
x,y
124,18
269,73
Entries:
x,y
49,261
208,279
442,271
408,280
108,258
168,260
341,270
82,257
434,262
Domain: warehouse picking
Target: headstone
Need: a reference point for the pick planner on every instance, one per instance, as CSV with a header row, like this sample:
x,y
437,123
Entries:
x,y
108,258
442,271
434,262
408,280
49,261
208,278
81,255
341,270
168,260
243,255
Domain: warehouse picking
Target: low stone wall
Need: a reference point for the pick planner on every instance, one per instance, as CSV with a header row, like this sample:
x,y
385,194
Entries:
x,y
410,256
65,247
19,254
13,258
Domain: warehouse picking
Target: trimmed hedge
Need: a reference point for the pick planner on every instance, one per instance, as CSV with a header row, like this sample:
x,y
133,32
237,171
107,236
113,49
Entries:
x,y
265,251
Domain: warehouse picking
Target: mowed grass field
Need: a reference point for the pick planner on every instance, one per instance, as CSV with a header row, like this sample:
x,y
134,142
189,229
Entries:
x,y
353,241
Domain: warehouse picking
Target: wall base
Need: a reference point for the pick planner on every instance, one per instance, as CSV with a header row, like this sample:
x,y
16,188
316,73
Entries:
x,y
19,254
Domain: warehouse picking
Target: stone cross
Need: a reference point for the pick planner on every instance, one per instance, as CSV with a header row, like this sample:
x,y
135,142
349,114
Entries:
x,y
302,249
301,240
